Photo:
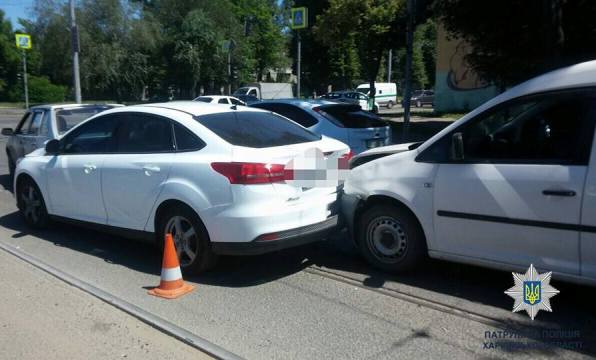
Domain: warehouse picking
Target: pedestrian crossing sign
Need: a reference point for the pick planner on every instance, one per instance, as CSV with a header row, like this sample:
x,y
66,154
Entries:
x,y
23,41
299,18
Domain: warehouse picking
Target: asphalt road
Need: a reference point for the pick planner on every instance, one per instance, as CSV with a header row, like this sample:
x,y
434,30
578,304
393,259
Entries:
x,y
71,324
320,301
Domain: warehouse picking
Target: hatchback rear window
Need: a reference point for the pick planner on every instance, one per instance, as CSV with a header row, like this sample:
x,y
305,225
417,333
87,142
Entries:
x,y
350,117
256,129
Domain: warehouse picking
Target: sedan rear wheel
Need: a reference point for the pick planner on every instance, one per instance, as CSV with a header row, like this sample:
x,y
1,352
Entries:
x,y
190,239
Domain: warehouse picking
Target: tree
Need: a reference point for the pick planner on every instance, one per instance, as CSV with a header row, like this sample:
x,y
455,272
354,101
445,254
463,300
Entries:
x,y
515,40
9,61
263,33
374,26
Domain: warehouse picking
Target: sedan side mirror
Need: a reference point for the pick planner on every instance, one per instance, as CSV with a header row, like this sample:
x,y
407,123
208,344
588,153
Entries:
x,y
53,147
7,132
457,147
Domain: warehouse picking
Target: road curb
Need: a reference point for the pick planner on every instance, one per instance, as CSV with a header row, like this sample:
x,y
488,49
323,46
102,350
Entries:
x,y
154,321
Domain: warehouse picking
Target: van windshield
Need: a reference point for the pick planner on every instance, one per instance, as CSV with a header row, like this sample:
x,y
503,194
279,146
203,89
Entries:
x,y
241,91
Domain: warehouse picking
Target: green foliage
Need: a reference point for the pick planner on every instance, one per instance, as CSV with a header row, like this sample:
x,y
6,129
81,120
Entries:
x,y
423,58
9,60
128,46
515,40
369,26
41,90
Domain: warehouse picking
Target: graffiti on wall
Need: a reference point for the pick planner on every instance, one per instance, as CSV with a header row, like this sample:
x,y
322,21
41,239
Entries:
x,y
451,59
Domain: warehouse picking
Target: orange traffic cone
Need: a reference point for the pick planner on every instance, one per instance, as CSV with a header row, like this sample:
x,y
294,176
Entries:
x,y
171,285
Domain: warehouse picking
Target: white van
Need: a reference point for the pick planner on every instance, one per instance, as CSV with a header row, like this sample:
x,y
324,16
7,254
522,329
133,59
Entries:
x,y
386,93
510,184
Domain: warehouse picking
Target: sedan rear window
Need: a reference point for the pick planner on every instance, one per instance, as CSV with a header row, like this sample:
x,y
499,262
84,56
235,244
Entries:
x,y
68,118
256,129
204,99
350,117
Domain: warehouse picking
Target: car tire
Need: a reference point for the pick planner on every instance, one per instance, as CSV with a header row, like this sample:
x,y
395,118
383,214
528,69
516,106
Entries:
x,y
389,104
178,220
418,104
31,204
391,239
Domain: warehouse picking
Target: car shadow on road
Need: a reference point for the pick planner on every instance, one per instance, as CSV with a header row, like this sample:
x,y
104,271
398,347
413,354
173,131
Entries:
x,y
573,308
6,182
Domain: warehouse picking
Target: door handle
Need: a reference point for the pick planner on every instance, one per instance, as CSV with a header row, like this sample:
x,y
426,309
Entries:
x,y
89,168
568,193
151,169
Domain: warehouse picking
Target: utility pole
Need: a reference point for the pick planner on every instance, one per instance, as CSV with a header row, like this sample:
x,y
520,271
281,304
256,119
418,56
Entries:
x,y
389,63
74,31
298,65
408,72
25,80
230,72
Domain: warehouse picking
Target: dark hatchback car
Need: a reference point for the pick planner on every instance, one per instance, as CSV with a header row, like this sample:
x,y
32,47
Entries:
x,y
45,122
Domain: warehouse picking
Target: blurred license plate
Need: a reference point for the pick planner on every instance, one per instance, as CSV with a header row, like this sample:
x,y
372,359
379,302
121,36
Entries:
x,y
375,143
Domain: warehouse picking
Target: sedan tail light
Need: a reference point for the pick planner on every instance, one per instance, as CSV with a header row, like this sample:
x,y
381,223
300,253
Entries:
x,y
344,160
251,173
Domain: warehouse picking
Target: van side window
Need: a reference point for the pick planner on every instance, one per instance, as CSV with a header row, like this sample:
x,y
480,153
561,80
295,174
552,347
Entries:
x,y
538,130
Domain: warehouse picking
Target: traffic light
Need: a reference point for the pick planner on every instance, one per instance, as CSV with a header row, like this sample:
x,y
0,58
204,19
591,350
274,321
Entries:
x,y
234,73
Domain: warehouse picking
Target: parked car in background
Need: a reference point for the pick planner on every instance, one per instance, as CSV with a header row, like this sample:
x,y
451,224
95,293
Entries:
x,y
264,90
220,99
45,122
420,98
248,99
352,97
510,184
348,123
213,176
385,93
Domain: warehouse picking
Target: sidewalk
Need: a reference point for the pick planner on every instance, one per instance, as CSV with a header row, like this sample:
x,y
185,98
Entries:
x,y
41,317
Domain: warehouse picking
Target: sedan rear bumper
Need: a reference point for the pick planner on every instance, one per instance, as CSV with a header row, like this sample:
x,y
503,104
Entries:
x,y
280,240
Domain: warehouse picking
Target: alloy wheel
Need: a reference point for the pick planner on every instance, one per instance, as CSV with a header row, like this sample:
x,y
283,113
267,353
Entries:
x,y
185,239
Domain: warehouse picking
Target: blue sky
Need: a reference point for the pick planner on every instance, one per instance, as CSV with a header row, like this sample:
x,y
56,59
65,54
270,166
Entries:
x,y
15,9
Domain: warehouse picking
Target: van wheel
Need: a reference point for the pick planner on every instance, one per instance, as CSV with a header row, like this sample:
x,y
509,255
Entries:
x,y
31,204
389,104
391,239
193,246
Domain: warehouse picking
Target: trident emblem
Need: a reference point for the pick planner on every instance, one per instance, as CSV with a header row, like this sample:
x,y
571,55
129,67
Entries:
x,y
532,292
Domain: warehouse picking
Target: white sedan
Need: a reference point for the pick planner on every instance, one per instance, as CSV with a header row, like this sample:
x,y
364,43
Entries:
x,y
211,175
220,99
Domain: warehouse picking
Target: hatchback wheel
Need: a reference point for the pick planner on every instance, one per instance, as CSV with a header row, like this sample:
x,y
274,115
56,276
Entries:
x,y
391,239
190,238
31,204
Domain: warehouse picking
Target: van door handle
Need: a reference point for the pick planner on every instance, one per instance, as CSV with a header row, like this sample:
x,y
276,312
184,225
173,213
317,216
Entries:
x,y
151,169
568,193
89,168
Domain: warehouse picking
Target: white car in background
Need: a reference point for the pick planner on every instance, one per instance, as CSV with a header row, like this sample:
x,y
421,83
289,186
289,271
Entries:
x,y
211,175
220,99
510,184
